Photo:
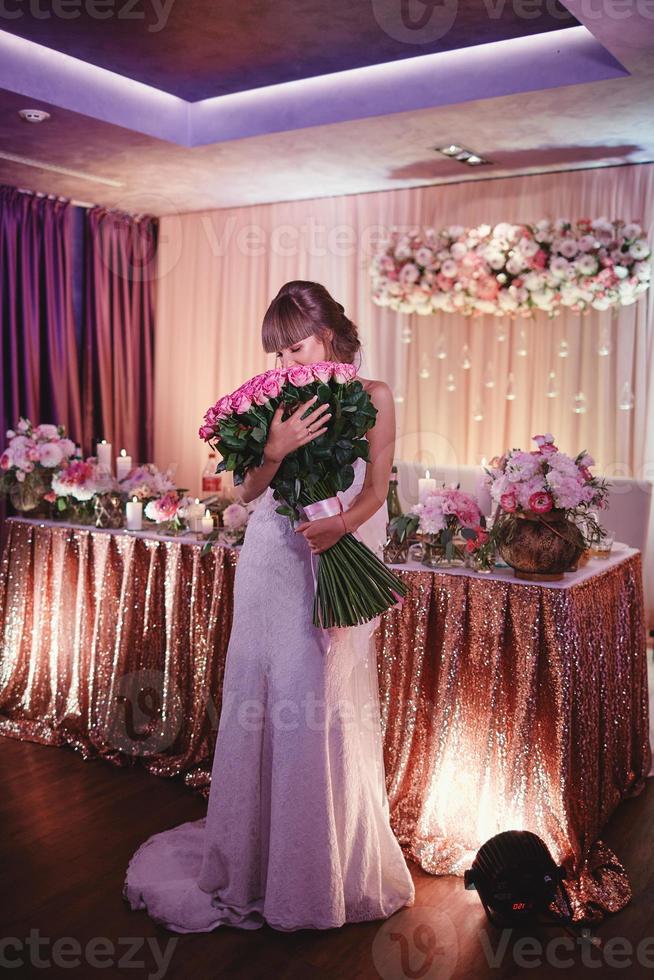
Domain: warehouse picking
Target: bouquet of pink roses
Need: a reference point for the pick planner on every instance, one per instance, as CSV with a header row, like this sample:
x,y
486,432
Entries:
x,y
352,584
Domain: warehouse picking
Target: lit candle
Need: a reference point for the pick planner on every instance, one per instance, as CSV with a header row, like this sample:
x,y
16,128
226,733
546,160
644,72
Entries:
x,y
207,523
194,511
103,452
425,487
123,465
134,515
484,499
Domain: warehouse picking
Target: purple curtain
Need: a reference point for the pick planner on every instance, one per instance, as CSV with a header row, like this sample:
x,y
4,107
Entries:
x,y
39,375
118,331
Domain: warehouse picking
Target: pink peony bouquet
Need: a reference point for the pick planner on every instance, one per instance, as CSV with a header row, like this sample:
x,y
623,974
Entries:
x,y
34,454
443,515
513,270
352,584
545,479
82,480
147,482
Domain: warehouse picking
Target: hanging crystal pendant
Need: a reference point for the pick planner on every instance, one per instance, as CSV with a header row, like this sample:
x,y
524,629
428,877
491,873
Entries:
x,y
478,412
450,384
440,350
466,363
510,389
626,402
489,377
406,334
424,371
564,350
501,334
579,403
521,349
604,346
399,398
552,389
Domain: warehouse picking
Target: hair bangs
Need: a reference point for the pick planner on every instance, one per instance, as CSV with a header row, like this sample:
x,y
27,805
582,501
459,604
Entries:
x,y
284,325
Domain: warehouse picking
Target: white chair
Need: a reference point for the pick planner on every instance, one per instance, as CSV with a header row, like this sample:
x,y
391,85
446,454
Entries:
x,y
627,513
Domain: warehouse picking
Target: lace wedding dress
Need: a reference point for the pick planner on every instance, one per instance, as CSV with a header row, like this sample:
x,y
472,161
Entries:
x,y
297,832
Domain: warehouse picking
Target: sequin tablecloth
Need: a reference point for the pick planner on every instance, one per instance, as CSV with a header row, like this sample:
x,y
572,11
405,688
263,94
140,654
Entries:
x,y
505,704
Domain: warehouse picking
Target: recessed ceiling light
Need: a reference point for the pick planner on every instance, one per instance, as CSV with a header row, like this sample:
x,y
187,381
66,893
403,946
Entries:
x,y
33,115
451,150
463,155
456,152
474,159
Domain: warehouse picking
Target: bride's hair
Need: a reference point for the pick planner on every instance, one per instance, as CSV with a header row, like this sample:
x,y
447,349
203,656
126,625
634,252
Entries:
x,y
302,308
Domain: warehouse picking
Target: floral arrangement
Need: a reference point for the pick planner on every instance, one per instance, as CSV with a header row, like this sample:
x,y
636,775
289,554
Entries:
x,y
442,516
545,480
82,480
147,482
513,270
352,584
33,456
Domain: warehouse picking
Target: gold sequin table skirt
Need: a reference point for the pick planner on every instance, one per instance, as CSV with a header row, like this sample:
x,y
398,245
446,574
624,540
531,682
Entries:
x,y
505,704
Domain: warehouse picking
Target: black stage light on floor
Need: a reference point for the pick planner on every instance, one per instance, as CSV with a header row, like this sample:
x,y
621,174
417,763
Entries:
x,y
518,880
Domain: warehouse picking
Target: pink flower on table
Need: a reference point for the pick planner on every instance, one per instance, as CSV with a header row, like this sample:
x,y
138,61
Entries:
x,y
300,375
545,444
472,544
235,516
46,431
508,502
5,461
50,496
586,460
49,454
164,508
585,472
540,503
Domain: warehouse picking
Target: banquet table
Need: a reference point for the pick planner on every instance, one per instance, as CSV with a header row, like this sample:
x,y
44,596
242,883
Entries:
x,y
506,704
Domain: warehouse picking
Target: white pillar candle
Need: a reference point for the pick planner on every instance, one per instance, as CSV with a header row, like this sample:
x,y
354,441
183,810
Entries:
x,y
425,487
123,465
194,512
103,452
134,514
484,499
207,523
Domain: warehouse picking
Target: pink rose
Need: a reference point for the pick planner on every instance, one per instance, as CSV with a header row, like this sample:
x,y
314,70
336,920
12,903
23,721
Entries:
x,y
224,407
545,444
300,375
540,503
508,502
585,472
241,401
50,496
5,461
323,370
272,384
344,372
206,432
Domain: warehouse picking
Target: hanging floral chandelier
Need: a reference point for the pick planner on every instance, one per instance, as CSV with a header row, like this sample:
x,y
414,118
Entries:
x,y
513,270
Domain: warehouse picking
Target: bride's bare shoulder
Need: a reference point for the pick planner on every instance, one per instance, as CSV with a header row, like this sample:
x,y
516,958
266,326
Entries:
x,y
375,387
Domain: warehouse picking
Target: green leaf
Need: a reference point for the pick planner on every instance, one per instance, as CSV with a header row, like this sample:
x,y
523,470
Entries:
x,y
324,392
258,434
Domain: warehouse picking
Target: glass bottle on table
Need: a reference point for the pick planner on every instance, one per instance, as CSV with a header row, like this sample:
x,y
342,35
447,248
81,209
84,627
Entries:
x,y
211,481
392,497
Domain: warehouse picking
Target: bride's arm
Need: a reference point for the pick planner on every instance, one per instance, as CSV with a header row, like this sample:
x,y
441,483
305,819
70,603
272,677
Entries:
x,y
256,480
381,441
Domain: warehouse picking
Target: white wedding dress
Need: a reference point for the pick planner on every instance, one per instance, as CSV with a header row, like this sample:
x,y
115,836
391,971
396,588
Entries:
x,y
297,832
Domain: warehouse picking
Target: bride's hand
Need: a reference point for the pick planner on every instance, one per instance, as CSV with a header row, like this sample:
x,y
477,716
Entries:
x,y
284,437
322,533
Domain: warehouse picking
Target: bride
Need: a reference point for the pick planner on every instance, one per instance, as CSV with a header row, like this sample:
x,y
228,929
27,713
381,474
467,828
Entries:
x,y
297,832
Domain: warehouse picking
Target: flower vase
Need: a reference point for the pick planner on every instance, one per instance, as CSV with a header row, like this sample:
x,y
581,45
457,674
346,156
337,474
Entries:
x,y
436,554
25,499
109,510
540,547
395,552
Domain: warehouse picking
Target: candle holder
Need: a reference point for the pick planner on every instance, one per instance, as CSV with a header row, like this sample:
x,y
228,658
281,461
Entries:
x,y
395,551
109,509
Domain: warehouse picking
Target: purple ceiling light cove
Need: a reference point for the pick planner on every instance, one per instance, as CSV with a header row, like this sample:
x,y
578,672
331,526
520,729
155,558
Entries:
x,y
556,58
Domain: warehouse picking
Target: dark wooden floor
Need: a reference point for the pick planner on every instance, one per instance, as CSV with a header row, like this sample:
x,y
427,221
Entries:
x,y
68,828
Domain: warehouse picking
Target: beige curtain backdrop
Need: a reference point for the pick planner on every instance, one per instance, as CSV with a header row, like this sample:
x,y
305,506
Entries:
x,y
218,271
